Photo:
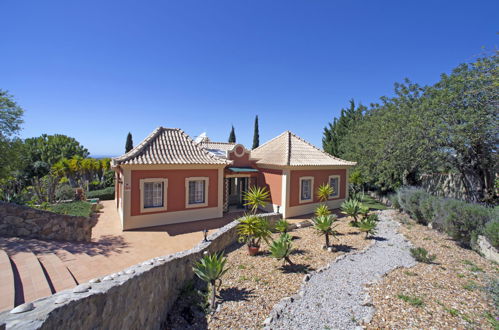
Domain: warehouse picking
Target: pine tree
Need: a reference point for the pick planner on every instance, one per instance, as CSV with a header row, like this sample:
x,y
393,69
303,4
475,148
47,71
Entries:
x,y
129,142
256,135
232,135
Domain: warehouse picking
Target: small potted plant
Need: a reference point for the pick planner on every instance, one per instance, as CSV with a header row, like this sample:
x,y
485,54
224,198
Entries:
x,y
251,230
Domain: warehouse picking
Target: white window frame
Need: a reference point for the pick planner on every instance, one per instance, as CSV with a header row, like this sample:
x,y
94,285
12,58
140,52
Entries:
x,y
336,193
311,178
165,194
206,190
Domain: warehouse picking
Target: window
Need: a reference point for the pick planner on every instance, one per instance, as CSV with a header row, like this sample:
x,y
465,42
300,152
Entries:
x,y
334,182
196,192
306,189
153,194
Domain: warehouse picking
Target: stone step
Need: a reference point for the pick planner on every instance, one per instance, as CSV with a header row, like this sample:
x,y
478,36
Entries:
x,y
32,283
7,291
58,274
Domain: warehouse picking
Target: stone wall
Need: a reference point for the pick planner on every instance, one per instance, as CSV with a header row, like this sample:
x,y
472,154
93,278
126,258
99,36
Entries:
x,y
138,297
21,221
449,185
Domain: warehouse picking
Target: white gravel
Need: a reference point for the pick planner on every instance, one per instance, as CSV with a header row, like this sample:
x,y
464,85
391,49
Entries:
x,y
334,298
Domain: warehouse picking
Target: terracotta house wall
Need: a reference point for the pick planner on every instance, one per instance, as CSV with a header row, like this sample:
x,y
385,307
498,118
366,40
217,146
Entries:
x,y
272,179
175,195
320,177
240,161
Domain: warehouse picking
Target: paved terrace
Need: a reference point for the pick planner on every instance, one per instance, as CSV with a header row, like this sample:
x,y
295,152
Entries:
x,y
32,269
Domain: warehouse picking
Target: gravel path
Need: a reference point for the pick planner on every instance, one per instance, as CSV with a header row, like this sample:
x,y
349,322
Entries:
x,y
334,298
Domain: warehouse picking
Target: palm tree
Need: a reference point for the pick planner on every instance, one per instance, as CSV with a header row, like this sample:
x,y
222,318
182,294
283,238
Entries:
x,y
351,208
210,269
324,226
256,197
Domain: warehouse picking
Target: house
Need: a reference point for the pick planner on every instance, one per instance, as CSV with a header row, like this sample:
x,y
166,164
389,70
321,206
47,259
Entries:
x,y
169,178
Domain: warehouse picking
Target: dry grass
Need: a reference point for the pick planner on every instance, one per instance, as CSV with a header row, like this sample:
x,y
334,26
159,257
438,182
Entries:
x,y
446,294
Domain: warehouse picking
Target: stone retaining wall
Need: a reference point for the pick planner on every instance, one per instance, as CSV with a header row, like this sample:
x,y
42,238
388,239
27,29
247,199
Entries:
x,y
137,298
22,221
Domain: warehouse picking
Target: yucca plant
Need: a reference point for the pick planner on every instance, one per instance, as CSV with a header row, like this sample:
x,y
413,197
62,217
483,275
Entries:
x,y
282,226
368,225
324,226
256,197
324,191
210,269
252,229
321,210
351,208
281,248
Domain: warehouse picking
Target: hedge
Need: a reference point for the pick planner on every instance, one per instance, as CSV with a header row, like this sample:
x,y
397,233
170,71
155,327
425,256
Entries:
x,y
461,220
102,194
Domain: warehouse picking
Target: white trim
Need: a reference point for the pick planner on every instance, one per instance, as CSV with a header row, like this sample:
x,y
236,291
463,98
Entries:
x,y
305,209
303,178
165,193
235,148
206,189
336,193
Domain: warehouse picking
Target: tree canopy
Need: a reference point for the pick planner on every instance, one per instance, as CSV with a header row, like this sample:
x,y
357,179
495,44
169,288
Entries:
x,y
232,135
256,134
10,124
129,142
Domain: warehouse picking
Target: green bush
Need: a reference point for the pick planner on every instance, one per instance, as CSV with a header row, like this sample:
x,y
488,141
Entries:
x,y
491,231
421,255
64,192
102,194
79,208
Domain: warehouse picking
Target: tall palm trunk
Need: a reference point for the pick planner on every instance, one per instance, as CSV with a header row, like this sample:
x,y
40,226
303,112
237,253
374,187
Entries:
x,y
327,239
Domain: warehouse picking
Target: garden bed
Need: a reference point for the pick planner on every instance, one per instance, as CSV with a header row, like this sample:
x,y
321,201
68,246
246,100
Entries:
x,y
452,292
253,285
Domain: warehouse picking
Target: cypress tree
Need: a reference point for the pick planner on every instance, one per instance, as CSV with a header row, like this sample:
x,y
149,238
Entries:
x,y
129,142
232,135
256,135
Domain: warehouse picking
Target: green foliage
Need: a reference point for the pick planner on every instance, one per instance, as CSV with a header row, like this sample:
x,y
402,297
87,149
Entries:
x,y
256,135
324,191
282,226
79,208
210,269
52,148
368,225
10,124
421,255
232,135
324,226
281,248
252,229
413,300
102,194
256,197
492,290
64,192
129,142
321,210
351,208
491,231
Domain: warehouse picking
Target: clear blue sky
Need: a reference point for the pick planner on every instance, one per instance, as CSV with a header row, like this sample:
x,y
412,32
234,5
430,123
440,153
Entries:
x,y
96,70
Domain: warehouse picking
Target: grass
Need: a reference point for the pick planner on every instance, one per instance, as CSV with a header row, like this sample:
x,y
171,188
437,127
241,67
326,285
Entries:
x,y
408,273
80,208
412,300
470,285
241,267
474,268
372,203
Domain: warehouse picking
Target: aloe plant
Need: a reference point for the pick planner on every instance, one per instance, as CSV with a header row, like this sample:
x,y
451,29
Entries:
x,y
252,229
256,197
321,210
324,226
281,248
210,269
368,225
282,226
351,208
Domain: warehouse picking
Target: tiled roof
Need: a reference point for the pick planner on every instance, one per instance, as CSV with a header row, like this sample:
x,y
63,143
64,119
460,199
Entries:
x,y
168,146
289,149
224,146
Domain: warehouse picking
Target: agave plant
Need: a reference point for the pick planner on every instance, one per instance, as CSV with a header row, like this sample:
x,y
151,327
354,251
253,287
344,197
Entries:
x,y
351,208
324,226
368,225
281,248
210,269
321,210
282,226
324,191
252,229
256,197
364,211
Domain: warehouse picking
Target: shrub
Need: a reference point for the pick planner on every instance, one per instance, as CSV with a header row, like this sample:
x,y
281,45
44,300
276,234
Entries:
x,y
102,194
282,226
256,197
351,208
322,209
324,226
421,255
368,225
210,269
78,208
281,248
64,192
394,201
491,232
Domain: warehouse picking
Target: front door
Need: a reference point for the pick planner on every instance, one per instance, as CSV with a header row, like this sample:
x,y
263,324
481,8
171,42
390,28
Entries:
x,y
236,189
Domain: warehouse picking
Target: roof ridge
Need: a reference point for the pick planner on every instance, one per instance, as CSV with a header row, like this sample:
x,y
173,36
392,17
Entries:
x,y
288,147
195,145
139,147
275,138
325,153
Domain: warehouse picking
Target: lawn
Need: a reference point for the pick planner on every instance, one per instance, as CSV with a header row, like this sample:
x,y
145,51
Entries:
x,y
78,208
372,203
